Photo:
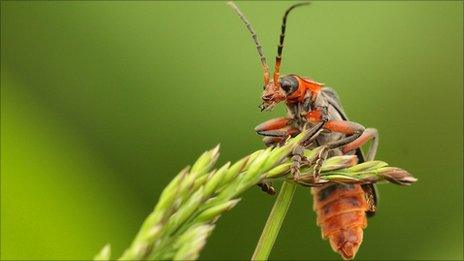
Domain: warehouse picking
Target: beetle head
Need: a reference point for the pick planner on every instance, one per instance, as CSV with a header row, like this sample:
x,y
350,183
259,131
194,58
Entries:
x,y
277,89
274,93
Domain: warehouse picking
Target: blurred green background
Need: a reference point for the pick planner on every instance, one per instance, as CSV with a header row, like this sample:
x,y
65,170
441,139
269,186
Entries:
x,y
102,103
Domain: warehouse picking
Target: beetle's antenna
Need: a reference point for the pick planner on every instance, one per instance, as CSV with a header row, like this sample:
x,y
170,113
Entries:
x,y
281,41
255,39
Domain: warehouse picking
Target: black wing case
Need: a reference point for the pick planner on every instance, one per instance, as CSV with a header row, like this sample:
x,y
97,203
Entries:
x,y
370,190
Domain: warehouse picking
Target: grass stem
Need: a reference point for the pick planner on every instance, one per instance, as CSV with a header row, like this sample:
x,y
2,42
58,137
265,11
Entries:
x,y
274,221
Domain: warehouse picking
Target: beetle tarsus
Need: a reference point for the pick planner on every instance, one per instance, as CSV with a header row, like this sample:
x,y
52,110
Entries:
x,y
318,161
267,187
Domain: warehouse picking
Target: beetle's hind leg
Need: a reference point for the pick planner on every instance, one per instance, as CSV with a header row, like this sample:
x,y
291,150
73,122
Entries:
x,y
357,135
367,135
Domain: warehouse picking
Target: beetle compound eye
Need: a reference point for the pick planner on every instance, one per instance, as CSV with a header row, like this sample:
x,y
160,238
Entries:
x,y
286,86
289,84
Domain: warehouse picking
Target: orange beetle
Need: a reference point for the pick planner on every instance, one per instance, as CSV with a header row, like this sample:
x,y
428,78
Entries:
x,y
342,209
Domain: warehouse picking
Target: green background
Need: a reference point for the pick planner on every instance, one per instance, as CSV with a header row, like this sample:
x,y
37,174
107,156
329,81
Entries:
x,y
102,103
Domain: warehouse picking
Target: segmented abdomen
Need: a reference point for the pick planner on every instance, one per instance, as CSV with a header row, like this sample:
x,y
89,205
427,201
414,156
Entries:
x,y
341,215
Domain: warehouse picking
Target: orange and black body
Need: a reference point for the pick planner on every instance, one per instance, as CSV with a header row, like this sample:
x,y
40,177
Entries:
x,y
341,214
342,209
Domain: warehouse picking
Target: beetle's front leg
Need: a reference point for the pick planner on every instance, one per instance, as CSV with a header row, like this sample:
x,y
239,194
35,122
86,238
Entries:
x,y
275,132
273,127
279,129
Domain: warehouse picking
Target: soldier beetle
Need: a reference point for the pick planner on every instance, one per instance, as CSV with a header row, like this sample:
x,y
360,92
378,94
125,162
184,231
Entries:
x,y
342,209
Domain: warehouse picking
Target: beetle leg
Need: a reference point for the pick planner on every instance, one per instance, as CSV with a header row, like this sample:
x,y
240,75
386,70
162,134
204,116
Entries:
x,y
276,132
272,124
273,141
297,158
368,134
353,131
267,187
369,189
318,161
278,137
298,151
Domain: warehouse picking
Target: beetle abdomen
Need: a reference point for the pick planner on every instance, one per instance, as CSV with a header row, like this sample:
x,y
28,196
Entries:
x,y
341,215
